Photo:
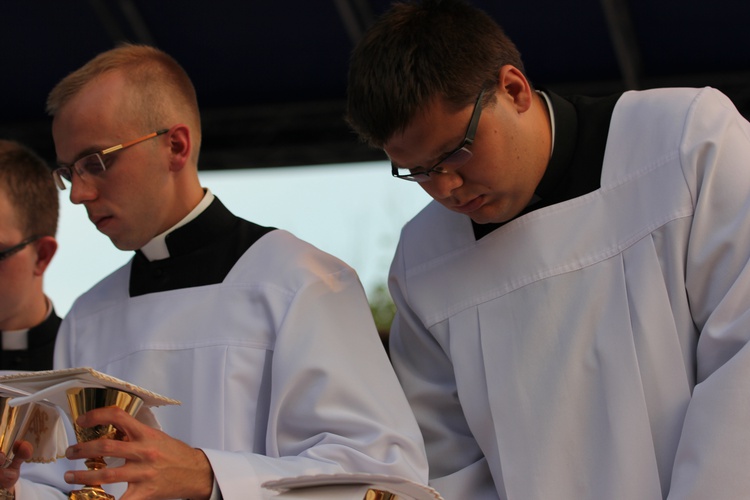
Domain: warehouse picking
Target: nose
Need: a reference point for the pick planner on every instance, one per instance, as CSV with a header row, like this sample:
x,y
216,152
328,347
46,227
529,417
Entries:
x,y
81,190
441,186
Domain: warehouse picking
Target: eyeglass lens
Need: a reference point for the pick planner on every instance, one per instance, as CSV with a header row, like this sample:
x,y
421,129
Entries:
x,y
92,165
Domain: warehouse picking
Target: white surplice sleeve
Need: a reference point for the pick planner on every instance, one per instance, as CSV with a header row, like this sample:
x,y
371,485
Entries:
x,y
712,456
335,402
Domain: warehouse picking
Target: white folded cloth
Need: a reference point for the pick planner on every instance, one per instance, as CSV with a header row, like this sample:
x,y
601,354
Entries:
x,y
39,423
348,486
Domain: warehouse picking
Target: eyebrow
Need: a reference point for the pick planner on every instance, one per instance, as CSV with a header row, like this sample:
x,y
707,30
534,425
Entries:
x,y
86,152
447,147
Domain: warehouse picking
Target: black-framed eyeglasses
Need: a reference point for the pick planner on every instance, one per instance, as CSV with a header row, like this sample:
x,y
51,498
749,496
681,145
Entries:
x,y
94,164
454,159
8,252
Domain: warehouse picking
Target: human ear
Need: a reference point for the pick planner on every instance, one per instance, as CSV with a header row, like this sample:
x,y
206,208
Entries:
x,y
46,246
180,146
515,85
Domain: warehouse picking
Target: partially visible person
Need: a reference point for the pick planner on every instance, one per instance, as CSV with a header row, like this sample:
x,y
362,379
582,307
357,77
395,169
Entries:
x,y
267,341
28,224
573,320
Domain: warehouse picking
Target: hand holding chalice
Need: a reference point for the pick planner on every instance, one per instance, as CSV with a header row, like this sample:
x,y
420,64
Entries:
x,y
84,399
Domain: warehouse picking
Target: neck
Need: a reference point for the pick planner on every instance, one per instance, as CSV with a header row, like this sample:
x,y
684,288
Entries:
x,y
31,314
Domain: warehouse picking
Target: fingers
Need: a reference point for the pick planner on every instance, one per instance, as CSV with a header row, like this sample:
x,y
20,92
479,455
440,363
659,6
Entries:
x,y
22,451
8,478
98,448
156,467
128,426
130,432
107,475
93,451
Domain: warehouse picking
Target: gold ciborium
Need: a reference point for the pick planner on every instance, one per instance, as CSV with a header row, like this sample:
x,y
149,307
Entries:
x,y
83,399
12,426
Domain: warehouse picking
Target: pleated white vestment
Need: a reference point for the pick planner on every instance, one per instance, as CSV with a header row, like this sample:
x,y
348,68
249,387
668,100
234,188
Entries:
x,y
597,348
278,365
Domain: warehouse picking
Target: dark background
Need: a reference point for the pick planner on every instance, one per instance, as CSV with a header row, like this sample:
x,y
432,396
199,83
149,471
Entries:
x,y
271,74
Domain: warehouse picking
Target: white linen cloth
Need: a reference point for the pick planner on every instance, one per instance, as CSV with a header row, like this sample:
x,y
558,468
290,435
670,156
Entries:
x,y
40,424
348,486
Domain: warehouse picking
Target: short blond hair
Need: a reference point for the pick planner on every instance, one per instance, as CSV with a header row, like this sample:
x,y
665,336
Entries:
x,y
160,88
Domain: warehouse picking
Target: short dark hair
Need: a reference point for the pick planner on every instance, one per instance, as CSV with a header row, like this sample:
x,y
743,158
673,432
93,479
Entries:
x,y
418,51
27,180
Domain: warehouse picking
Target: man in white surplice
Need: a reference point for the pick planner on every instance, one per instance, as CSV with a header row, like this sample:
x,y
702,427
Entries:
x,y
268,342
573,314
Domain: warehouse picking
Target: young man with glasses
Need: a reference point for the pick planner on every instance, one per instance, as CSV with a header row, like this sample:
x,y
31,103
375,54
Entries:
x,y
28,224
573,316
268,342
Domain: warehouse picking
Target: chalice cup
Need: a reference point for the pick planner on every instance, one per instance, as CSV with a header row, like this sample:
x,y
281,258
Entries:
x,y
12,423
373,494
84,399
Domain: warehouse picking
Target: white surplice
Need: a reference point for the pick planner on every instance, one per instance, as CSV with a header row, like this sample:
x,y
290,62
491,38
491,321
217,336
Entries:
x,y
596,348
278,367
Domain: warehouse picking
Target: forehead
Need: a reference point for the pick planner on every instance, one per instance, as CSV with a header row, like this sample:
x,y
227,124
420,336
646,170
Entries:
x,y
436,130
99,96
94,118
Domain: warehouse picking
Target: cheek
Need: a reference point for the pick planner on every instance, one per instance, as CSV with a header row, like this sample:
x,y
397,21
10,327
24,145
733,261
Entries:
x,y
507,164
427,188
492,158
14,275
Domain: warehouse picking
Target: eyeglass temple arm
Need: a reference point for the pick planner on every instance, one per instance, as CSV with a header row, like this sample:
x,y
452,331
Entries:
x,y
134,141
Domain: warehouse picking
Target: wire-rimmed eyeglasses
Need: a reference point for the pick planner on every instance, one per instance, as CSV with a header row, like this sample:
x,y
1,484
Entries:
x,y
455,158
94,164
8,252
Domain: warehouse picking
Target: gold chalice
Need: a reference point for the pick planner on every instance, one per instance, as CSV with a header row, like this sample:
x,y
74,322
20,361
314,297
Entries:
x,y
373,494
12,423
84,399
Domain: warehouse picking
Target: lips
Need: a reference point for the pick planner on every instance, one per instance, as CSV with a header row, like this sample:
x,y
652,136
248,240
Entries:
x,y
469,206
99,220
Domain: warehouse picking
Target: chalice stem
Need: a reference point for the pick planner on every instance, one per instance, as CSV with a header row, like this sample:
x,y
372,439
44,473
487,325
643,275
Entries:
x,y
95,463
92,491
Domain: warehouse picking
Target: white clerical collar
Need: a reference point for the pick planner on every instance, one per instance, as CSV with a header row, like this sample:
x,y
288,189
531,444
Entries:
x,y
157,249
18,340
551,118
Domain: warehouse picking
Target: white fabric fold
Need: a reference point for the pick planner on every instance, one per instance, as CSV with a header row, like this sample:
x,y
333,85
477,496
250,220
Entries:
x,y
38,423
348,486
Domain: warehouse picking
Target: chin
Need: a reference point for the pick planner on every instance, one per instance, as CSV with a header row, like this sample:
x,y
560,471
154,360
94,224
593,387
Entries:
x,y
489,218
496,213
483,220
125,246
